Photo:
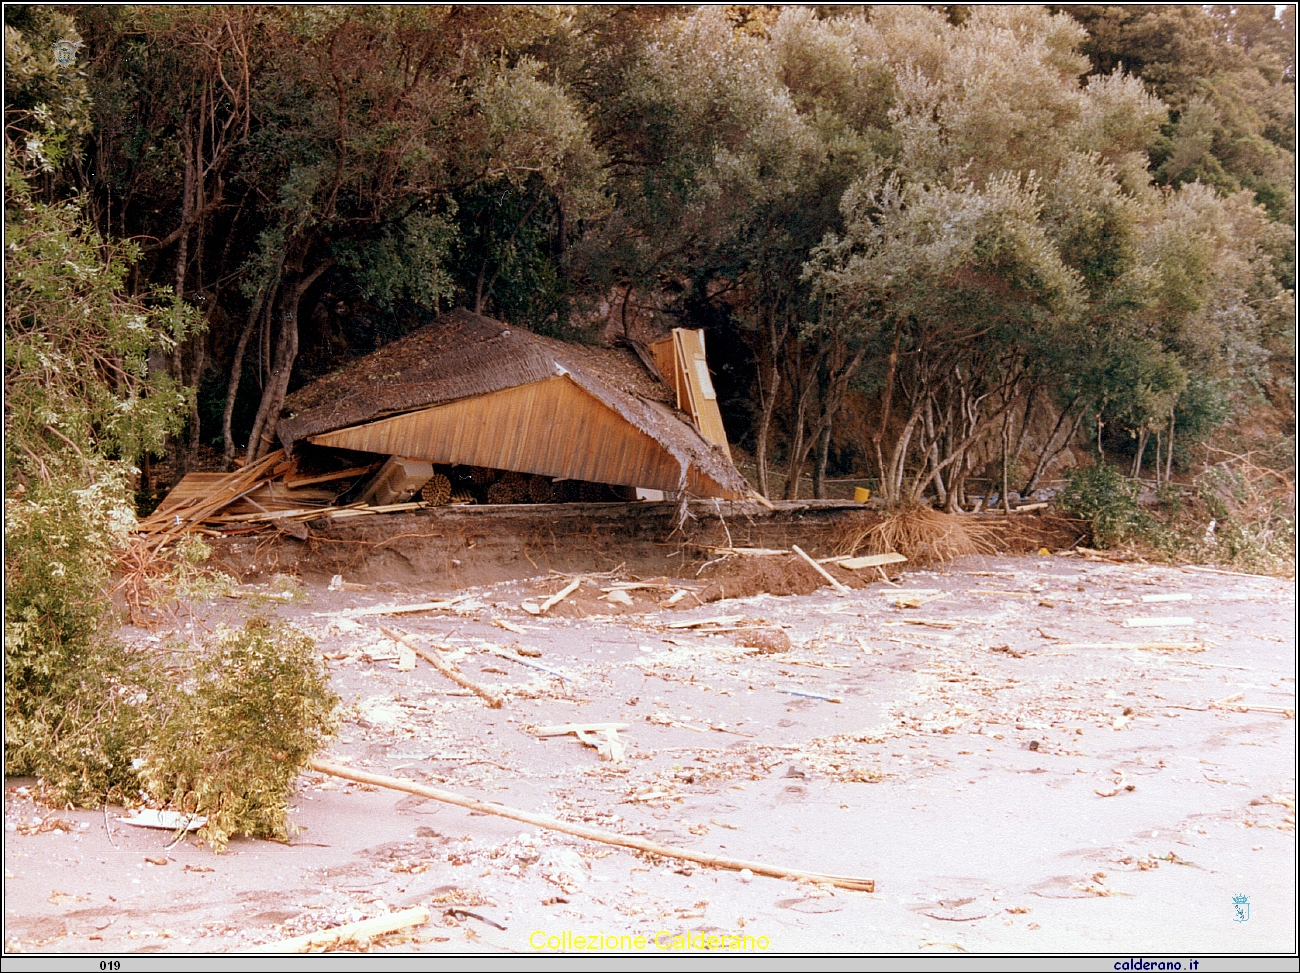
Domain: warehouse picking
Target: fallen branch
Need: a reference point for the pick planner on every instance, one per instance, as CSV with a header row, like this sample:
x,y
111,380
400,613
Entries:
x,y
352,932
589,834
491,698
841,588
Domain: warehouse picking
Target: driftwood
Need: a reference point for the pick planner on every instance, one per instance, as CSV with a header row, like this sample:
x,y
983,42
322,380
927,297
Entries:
x,y
366,929
841,588
589,834
490,697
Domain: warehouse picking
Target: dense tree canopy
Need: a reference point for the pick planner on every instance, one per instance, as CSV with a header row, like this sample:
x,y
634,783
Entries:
x,y
934,244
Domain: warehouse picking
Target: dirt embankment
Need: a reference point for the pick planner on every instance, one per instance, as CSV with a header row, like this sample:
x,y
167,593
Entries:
x,y
449,549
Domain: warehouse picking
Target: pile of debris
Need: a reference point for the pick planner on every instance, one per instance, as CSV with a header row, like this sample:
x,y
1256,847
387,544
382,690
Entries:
x,y
286,493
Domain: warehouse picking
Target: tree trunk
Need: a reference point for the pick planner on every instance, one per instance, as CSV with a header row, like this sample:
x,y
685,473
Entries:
x,y
767,399
887,397
196,376
1006,448
1047,454
178,453
260,304
263,436
1142,448
1169,452
823,454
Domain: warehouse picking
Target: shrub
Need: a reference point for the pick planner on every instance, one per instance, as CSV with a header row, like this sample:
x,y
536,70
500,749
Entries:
x,y
257,705
1107,499
73,696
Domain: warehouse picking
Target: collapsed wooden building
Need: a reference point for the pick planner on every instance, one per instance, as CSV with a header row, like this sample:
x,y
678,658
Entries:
x,y
468,409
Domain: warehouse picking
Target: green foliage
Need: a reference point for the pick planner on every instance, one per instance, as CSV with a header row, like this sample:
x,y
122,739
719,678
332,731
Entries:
x,y
1227,72
77,379
47,106
1254,527
254,709
408,262
75,698
1107,499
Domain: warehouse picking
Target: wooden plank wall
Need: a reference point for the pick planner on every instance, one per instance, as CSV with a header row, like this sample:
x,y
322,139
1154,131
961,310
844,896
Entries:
x,y
682,359
552,427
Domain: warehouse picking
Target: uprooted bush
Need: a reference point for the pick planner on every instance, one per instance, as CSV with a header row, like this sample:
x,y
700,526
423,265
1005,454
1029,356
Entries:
x,y
75,698
251,713
923,535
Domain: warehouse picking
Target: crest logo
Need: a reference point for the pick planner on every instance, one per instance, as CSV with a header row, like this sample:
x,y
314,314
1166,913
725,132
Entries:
x,y
65,51
1241,907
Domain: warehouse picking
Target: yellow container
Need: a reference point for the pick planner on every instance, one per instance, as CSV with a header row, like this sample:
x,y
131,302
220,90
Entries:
x,y
861,494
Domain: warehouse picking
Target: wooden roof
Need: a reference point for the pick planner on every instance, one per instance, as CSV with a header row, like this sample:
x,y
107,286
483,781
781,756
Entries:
x,y
609,420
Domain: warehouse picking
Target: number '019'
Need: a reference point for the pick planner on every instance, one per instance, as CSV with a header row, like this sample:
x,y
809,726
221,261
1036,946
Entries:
x,y
110,964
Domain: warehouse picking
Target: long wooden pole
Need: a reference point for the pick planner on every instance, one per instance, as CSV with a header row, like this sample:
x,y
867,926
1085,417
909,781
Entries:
x,y
590,834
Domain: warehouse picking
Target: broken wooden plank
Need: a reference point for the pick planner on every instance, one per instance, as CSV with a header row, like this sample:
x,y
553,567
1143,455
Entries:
x,y
841,588
928,622
352,932
509,626
602,736
719,620
1026,507
871,561
1172,621
559,596
590,834
424,606
487,695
